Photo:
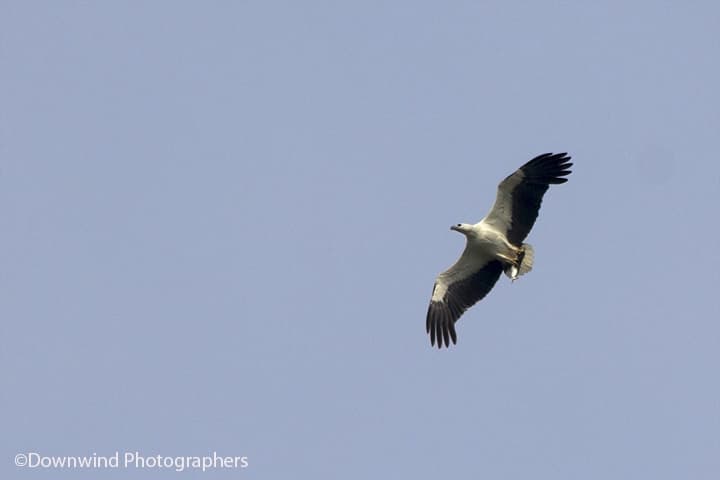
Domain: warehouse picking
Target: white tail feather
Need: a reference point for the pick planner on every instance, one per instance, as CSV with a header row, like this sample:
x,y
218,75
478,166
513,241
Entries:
x,y
527,262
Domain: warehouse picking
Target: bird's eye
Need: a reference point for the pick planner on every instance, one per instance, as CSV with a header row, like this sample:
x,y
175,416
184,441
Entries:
x,y
459,224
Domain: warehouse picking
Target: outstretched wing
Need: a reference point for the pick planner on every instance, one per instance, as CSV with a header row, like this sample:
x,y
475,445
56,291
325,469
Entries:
x,y
519,196
457,289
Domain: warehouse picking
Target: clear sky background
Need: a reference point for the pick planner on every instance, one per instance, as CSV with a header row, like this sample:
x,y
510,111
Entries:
x,y
220,223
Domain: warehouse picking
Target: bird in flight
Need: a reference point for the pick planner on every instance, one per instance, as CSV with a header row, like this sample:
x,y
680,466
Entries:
x,y
494,245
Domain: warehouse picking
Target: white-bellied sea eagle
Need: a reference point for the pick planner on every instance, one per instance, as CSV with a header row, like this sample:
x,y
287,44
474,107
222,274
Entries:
x,y
494,244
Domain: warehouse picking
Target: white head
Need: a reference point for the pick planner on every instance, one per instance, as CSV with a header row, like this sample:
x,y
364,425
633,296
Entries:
x,y
464,228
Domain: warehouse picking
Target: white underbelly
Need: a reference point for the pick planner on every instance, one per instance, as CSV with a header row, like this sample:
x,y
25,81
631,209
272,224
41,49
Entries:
x,y
494,243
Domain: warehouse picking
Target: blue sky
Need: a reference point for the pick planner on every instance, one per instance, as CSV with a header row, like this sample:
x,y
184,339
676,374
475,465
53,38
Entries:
x,y
221,222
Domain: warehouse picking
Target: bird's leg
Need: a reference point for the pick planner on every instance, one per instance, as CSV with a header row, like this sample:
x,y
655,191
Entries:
x,y
512,265
515,264
519,257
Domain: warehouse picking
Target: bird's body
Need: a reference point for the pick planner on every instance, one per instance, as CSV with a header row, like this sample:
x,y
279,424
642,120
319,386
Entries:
x,y
493,245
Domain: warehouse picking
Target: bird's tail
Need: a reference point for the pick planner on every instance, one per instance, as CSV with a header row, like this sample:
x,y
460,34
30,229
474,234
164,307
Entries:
x,y
525,262
528,257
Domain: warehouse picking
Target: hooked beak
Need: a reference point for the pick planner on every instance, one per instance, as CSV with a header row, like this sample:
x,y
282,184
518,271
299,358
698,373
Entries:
x,y
454,227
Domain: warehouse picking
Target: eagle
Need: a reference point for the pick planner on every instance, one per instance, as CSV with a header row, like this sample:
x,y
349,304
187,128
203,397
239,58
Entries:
x,y
494,245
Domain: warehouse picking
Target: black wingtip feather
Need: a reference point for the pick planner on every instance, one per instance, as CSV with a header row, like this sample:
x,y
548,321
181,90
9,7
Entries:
x,y
547,169
453,335
446,331
439,325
